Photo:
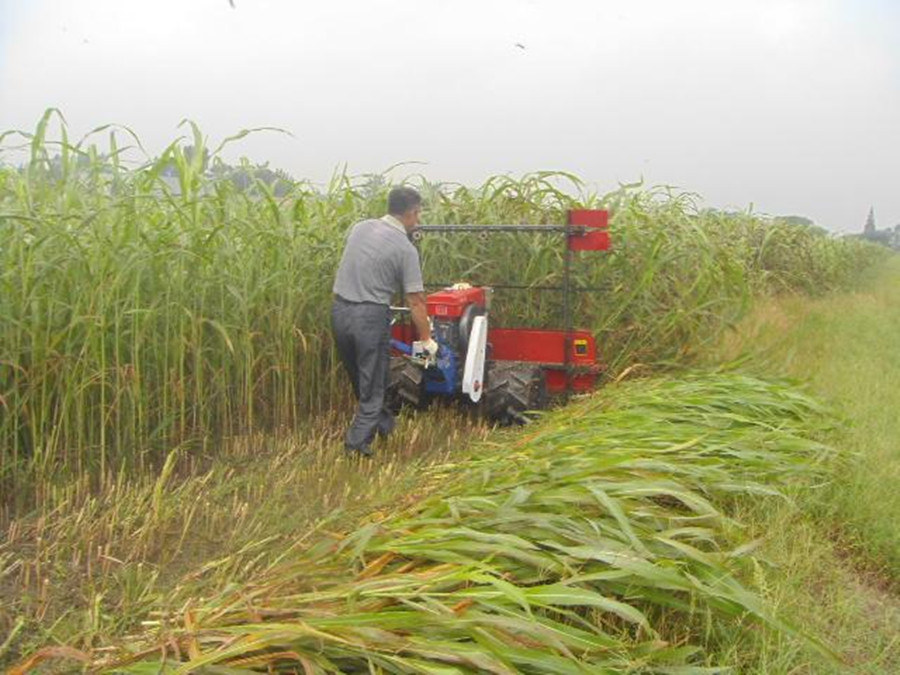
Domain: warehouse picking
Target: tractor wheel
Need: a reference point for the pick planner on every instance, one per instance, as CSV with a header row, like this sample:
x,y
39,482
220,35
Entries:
x,y
406,385
512,389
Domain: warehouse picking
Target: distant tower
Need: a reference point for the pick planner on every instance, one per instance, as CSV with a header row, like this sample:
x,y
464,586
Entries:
x,y
869,229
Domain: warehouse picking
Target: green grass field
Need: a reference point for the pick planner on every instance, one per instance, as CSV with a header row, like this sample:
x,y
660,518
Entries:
x,y
835,553
845,348
170,416
825,559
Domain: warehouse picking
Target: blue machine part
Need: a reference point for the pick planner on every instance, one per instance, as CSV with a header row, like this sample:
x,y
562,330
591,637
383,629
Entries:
x,y
401,347
442,378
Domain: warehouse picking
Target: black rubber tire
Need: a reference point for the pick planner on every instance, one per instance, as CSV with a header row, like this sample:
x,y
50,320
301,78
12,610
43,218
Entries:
x,y
512,390
406,385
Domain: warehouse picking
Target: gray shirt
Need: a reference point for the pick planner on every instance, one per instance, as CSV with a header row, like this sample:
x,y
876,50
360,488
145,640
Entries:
x,y
378,261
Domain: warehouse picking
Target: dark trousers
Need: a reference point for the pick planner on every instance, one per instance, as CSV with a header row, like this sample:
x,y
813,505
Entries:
x,y
362,335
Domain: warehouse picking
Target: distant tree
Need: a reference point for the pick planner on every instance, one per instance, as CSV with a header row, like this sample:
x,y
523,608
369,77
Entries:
x,y
190,151
797,220
246,174
804,222
882,237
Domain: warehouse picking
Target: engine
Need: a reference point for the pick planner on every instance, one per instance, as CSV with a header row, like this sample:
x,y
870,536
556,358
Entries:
x,y
452,312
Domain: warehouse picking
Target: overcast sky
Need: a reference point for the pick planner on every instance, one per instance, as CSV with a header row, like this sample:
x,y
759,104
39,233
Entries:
x,y
791,105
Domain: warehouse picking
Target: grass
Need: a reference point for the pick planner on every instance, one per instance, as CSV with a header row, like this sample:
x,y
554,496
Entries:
x,y
809,577
164,304
819,564
167,384
92,568
834,552
600,539
845,348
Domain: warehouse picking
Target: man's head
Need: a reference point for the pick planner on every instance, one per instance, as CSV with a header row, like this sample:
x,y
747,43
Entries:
x,y
404,203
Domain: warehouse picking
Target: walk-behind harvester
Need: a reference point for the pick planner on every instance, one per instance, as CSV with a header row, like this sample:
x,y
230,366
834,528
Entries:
x,y
506,371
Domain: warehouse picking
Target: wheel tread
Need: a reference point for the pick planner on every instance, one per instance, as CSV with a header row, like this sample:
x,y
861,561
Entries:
x,y
512,389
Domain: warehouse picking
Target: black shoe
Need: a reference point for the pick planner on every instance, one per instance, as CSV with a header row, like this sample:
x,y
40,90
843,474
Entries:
x,y
385,425
354,452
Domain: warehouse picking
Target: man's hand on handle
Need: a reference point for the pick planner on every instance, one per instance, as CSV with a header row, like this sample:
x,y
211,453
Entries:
x,y
425,347
425,351
418,312
430,347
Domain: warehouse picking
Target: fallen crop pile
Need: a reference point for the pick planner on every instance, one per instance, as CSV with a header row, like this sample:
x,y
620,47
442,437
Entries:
x,y
600,541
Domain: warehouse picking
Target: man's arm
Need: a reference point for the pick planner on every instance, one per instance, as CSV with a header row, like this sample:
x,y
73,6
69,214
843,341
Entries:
x,y
419,313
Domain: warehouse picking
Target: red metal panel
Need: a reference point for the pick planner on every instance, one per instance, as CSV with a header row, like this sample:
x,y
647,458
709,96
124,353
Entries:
x,y
539,345
597,236
582,383
403,332
547,347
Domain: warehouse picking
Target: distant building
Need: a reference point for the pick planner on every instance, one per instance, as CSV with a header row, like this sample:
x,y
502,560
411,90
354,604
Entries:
x,y
869,228
886,237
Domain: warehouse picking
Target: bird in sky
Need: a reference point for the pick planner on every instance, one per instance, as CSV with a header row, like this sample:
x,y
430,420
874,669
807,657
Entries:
x,y
520,45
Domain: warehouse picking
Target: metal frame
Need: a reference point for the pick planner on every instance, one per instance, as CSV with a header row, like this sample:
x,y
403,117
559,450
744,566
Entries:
x,y
569,230
561,229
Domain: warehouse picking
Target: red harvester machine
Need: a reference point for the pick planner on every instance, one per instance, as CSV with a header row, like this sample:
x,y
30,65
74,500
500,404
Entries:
x,y
507,371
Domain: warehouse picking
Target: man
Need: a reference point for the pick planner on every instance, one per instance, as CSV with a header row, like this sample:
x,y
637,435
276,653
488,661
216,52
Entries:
x,y
378,260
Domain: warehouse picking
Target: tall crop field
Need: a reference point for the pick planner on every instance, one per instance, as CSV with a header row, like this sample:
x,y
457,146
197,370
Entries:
x,y
146,306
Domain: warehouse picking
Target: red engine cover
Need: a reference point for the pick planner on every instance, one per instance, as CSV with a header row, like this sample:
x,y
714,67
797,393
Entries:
x,y
450,304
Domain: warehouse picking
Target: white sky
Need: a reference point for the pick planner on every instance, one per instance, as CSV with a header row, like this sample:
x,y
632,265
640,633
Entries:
x,y
791,105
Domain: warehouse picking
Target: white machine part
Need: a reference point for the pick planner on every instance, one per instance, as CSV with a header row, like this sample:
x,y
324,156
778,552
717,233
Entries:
x,y
473,372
